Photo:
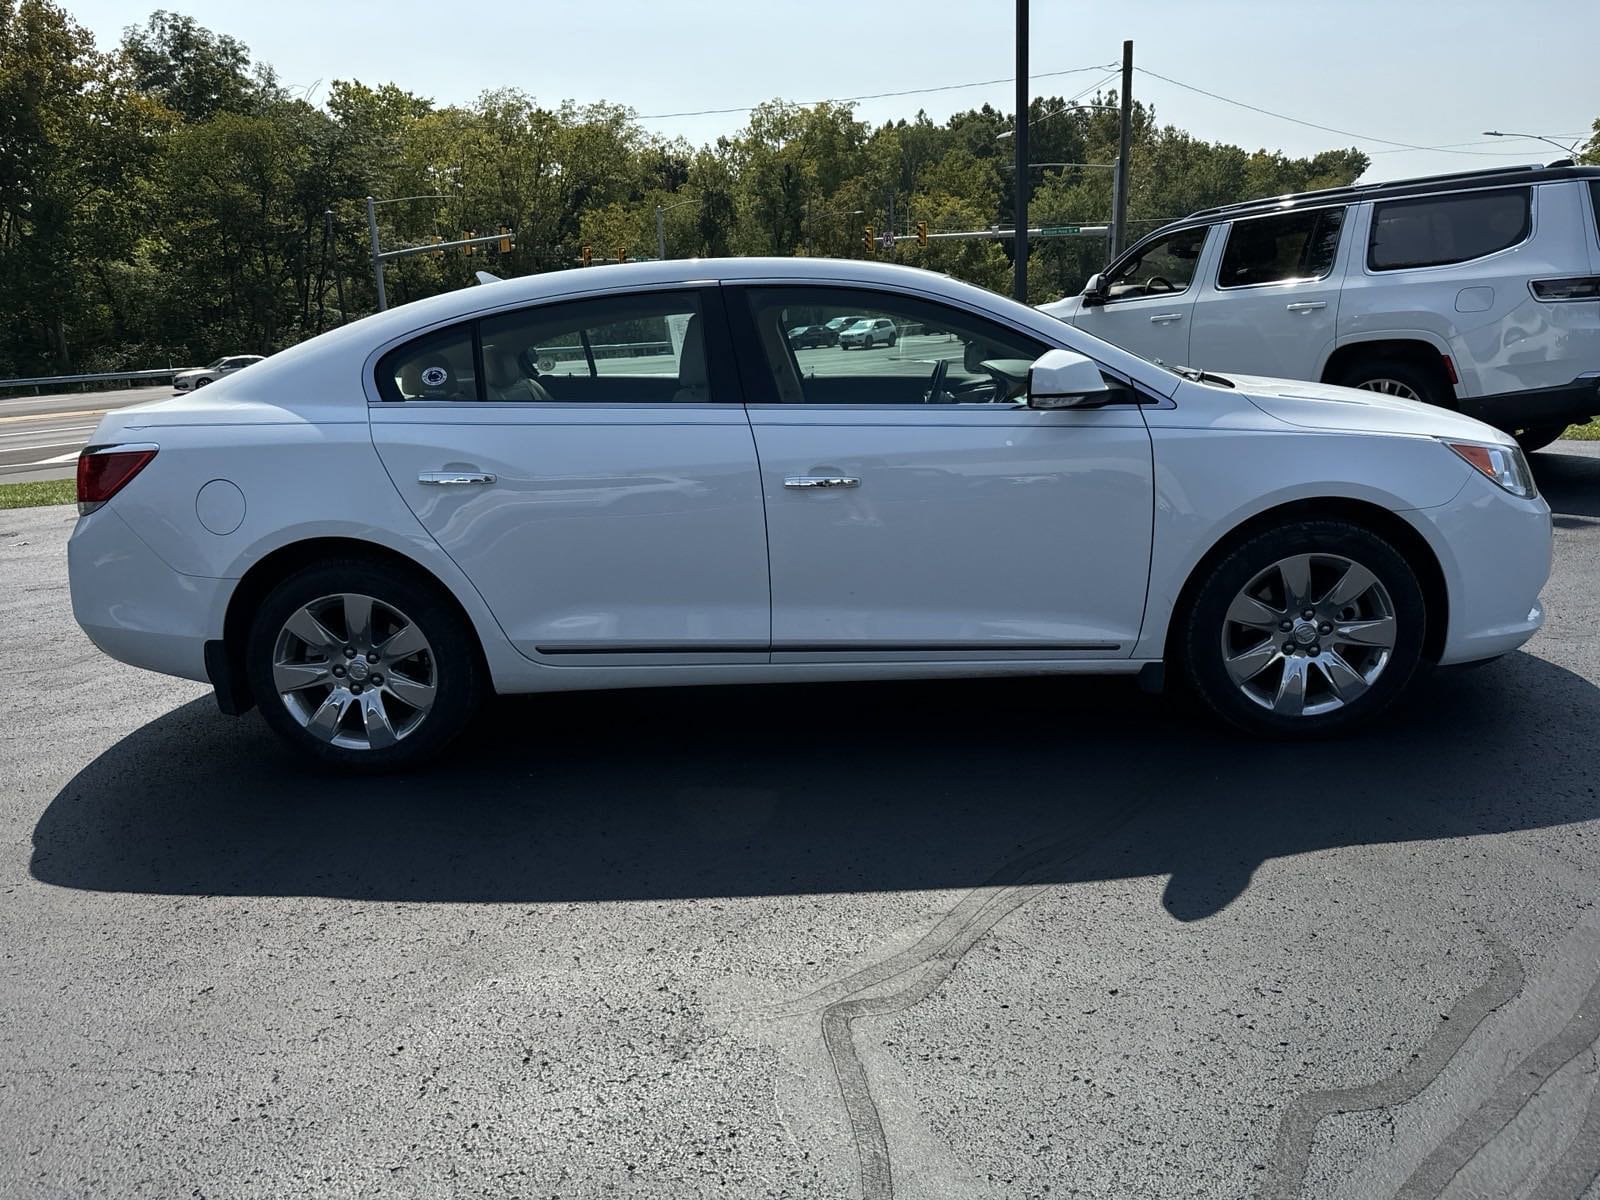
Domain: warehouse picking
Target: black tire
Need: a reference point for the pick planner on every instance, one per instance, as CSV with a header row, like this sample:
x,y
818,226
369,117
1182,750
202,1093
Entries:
x,y
1204,626
1537,437
200,383
1431,387
452,654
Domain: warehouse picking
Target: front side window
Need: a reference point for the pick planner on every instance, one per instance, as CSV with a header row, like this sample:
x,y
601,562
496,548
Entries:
x,y
1163,267
1437,230
939,355
1281,248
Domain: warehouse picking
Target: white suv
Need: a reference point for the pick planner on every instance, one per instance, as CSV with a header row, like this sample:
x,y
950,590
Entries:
x,y
1478,291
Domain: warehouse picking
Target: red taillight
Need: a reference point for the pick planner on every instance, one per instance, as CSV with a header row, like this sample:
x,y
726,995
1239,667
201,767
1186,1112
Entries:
x,y
103,471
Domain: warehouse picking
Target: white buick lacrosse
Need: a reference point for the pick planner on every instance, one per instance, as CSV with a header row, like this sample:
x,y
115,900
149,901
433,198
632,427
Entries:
x,y
629,476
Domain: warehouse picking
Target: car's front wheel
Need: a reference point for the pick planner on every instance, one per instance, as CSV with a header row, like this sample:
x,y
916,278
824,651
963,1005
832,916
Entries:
x,y
363,665
1308,629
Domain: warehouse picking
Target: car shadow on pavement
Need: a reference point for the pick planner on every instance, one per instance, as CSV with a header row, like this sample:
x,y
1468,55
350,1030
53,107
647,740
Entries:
x,y
740,791
1570,484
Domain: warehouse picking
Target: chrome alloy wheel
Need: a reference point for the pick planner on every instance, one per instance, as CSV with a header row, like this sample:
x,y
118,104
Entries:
x,y
1390,387
354,671
1309,634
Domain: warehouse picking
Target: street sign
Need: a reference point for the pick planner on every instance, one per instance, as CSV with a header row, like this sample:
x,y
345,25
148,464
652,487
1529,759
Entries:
x,y
1060,230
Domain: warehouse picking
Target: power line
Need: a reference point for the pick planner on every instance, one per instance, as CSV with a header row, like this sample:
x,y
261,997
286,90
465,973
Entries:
x,y
1360,137
949,87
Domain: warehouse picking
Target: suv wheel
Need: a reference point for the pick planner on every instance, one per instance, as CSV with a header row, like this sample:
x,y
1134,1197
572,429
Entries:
x,y
362,665
1306,630
1399,377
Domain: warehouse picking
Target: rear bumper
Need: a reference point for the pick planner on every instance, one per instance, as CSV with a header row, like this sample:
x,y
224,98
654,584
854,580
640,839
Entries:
x,y
1569,404
135,607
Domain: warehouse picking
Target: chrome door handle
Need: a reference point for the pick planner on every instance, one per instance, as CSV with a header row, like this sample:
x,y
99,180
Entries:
x,y
821,481
1164,318
1308,306
449,478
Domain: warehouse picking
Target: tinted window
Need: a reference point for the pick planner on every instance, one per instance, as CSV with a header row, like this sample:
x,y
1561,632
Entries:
x,y
436,366
621,349
940,355
1436,230
1594,203
1161,268
1285,246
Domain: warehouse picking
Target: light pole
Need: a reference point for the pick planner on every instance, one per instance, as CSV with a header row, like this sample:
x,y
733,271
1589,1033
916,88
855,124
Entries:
x,y
854,212
1019,273
661,228
1570,151
372,227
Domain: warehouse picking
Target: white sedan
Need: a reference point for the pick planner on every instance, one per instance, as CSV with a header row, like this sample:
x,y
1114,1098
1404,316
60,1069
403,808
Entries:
x,y
622,477
199,377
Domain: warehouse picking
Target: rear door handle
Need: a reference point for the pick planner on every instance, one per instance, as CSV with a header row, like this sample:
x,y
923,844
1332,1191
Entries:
x,y
1308,305
451,478
1165,318
821,481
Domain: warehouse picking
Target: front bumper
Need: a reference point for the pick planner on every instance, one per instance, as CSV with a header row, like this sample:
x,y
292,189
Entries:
x,y
1495,550
1569,404
134,606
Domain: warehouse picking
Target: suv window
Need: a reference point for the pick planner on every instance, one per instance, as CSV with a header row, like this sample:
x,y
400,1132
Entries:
x,y
973,360
1281,247
1159,269
1433,231
1594,204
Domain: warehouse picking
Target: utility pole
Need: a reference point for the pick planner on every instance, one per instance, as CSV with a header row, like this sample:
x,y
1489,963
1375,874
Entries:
x,y
377,259
1019,278
1119,216
661,234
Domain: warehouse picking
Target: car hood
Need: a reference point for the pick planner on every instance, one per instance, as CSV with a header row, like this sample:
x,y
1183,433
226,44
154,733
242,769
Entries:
x,y
1353,410
190,372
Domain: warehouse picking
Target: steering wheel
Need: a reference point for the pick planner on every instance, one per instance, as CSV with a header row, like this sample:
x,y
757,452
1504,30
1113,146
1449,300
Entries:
x,y
1166,284
936,384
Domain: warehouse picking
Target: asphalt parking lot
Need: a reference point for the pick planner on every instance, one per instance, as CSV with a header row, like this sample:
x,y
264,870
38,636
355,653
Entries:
x,y
1005,938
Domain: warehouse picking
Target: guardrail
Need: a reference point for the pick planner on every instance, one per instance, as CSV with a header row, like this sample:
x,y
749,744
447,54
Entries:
x,y
40,381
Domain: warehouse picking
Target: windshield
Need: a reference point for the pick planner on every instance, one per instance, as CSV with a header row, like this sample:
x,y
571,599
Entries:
x,y
212,366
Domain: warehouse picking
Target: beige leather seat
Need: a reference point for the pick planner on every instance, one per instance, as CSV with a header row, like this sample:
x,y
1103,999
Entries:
x,y
694,383
505,380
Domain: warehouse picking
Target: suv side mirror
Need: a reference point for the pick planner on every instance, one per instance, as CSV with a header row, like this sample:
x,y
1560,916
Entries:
x,y
1062,379
1094,290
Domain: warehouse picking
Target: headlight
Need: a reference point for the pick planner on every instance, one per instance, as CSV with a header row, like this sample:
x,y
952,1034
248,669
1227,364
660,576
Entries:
x,y
1505,465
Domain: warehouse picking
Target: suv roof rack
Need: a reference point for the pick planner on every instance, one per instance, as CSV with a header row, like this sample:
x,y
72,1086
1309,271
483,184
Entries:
x,y
1485,177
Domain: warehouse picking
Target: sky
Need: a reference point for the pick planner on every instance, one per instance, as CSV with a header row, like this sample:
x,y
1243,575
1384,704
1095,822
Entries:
x,y
1428,73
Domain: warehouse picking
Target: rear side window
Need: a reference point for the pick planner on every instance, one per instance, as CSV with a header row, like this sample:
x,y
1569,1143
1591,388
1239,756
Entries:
x,y
436,366
1280,248
1436,230
1594,203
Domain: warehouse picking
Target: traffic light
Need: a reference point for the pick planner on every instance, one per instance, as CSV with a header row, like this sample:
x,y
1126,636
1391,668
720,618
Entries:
x,y
588,254
505,240
922,233
470,233
868,241
437,239
622,254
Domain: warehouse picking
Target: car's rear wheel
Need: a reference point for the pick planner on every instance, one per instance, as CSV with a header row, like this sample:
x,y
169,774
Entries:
x,y
1309,629
363,665
1399,377
1537,437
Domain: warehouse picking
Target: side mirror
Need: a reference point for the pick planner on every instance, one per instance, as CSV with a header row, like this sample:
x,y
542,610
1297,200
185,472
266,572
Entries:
x,y
1062,379
1094,290
972,357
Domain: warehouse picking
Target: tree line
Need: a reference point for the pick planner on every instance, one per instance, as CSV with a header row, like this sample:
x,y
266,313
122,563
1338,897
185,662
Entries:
x,y
163,201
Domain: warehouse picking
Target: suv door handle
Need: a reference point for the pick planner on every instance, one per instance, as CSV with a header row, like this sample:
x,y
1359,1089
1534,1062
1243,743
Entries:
x,y
449,478
821,481
1308,305
1165,318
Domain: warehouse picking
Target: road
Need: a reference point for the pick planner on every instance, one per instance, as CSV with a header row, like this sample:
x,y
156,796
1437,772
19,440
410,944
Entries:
x,y
965,939
40,436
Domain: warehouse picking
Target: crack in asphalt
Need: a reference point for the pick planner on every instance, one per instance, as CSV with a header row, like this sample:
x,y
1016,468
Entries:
x,y
1298,1129
1513,1094
933,958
